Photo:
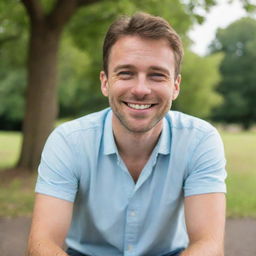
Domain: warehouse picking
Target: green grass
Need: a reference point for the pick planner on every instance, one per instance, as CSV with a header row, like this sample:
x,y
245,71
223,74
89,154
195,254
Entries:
x,y
241,199
241,166
9,147
16,197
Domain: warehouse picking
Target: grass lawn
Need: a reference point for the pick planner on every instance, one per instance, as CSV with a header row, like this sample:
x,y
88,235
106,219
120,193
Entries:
x,y
241,166
16,196
9,147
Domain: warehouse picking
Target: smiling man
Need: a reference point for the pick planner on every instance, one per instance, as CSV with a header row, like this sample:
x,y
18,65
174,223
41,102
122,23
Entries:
x,y
136,178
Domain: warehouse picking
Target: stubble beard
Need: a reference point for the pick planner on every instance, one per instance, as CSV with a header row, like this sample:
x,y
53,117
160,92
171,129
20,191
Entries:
x,y
122,119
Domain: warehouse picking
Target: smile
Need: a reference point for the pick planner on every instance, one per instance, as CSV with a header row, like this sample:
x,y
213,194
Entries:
x,y
139,106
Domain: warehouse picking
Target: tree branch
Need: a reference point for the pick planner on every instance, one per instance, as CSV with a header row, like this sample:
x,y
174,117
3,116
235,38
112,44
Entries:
x,y
34,9
64,9
62,12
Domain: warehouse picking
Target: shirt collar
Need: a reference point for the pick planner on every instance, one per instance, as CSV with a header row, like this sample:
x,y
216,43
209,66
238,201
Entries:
x,y
109,145
165,138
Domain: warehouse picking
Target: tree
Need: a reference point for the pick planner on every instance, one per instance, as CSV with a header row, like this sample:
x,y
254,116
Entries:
x,y
41,95
238,70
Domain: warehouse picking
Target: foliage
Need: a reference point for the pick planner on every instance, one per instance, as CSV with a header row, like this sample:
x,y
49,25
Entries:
x,y
80,57
199,78
238,71
73,65
12,20
13,40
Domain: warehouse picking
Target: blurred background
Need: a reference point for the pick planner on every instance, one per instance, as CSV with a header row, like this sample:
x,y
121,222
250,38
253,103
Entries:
x,y
50,59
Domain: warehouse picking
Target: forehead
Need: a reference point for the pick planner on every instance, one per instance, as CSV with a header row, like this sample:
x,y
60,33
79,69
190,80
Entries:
x,y
141,53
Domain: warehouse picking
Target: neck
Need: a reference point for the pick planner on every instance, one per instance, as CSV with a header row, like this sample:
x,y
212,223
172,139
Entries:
x,y
136,145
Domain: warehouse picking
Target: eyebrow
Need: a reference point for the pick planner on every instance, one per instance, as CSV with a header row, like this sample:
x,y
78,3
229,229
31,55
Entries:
x,y
152,68
119,67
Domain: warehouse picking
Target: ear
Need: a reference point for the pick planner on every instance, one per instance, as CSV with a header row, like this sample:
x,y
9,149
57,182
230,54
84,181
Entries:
x,y
104,83
176,89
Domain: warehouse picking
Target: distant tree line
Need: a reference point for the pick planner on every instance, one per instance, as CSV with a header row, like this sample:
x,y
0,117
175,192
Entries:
x,y
238,73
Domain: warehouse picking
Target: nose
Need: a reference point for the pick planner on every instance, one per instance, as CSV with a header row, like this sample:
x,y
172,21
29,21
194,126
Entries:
x,y
140,87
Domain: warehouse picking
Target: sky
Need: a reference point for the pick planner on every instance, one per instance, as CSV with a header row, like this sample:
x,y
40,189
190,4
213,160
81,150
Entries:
x,y
220,16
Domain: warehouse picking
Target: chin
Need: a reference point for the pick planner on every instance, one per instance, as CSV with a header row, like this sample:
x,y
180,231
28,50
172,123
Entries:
x,y
139,128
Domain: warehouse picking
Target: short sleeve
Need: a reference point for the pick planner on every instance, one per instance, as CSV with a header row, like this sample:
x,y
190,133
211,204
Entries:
x,y
57,170
207,171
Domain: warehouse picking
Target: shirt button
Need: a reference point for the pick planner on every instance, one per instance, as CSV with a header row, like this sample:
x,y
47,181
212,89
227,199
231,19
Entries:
x,y
133,213
130,247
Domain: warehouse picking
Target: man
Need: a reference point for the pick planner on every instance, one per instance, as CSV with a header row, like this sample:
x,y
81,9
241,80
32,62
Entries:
x,y
136,178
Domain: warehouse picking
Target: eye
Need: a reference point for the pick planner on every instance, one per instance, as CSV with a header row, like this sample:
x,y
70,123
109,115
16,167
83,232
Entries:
x,y
157,76
125,74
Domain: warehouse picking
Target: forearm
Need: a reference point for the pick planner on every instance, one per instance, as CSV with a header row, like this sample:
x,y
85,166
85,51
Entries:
x,y
203,248
44,248
205,220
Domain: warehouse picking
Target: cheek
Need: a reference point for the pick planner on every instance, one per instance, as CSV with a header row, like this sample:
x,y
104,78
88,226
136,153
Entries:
x,y
119,88
166,93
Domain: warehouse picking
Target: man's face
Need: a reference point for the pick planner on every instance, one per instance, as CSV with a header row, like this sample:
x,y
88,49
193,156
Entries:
x,y
141,83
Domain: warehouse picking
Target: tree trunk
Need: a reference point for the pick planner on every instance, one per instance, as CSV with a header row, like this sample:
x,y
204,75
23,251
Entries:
x,y
41,97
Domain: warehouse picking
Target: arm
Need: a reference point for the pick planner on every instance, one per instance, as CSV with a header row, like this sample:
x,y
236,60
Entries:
x,y
50,223
205,221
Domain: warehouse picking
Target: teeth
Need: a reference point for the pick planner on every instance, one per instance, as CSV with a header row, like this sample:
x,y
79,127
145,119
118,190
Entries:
x,y
137,106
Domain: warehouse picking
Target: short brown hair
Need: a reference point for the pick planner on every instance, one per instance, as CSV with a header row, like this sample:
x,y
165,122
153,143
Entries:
x,y
145,26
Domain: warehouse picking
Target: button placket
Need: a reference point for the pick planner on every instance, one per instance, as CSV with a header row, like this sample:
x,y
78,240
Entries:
x,y
132,213
132,226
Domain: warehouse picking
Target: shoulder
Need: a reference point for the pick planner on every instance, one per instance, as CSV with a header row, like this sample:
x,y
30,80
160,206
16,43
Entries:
x,y
189,132
73,140
93,122
79,133
181,121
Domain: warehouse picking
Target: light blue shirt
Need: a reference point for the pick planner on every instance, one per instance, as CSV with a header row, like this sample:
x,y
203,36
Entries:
x,y
114,216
